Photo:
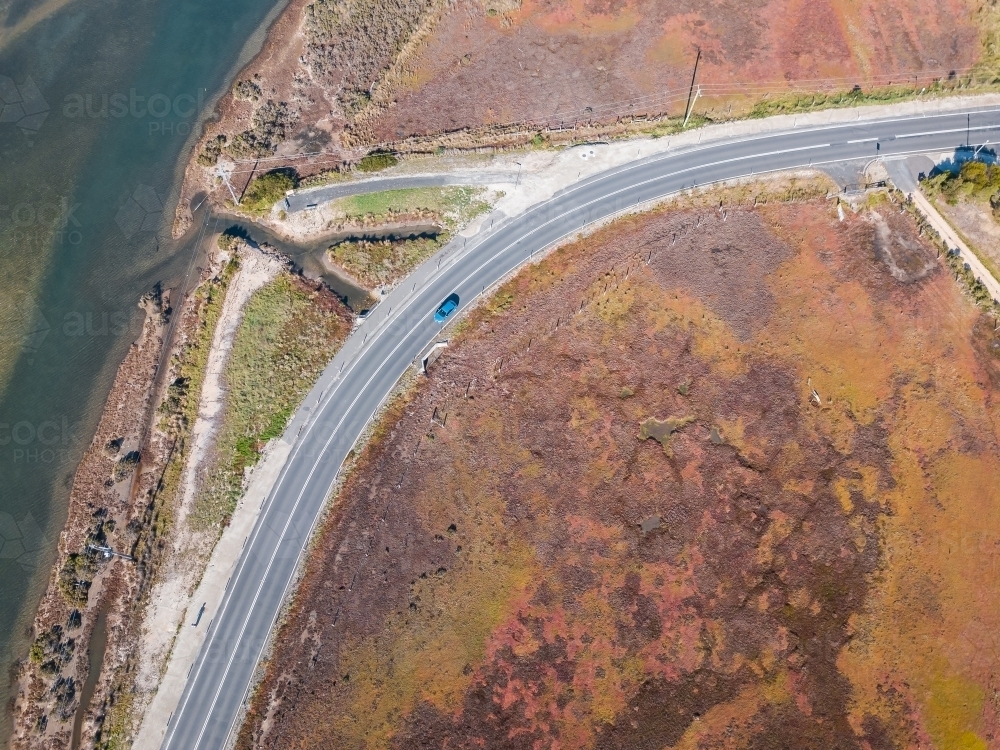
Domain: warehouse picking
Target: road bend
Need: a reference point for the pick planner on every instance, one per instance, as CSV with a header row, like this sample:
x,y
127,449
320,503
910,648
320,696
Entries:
x,y
360,378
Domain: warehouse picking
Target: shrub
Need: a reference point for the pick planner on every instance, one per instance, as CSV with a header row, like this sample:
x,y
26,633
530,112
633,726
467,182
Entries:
x,y
37,652
230,238
51,652
975,179
113,446
75,578
354,100
269,127
210,154
126,465
246,91
975,172
377,161
266,190
176,393
64,692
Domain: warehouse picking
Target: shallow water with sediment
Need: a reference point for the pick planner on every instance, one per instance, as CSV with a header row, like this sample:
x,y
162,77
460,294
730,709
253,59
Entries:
x,y
100,99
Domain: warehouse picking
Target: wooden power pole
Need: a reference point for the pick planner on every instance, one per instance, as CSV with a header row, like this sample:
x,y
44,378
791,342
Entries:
x,y
690,101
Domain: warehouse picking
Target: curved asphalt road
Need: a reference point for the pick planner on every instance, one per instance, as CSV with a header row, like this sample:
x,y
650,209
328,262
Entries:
x,y
379,352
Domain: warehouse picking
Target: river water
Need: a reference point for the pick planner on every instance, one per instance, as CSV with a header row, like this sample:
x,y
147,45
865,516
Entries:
x,y
99,98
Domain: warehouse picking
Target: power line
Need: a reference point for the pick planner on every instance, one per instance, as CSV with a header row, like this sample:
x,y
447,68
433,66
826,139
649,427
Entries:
x,y
664,99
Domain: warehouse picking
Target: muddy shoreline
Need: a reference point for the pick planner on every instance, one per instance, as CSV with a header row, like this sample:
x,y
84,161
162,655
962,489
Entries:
x,y
116,474
59,701
128,552
272,66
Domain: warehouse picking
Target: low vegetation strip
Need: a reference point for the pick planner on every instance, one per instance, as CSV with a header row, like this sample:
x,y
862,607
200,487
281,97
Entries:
x,y
377,263
291,329
179,409
434,214
451,205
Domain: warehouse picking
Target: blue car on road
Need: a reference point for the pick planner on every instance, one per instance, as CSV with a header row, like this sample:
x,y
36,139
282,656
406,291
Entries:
x,y
447,307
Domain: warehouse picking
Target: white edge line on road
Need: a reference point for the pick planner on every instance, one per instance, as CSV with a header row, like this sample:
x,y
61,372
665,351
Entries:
x,y
412,298
695,148
702,146
945,132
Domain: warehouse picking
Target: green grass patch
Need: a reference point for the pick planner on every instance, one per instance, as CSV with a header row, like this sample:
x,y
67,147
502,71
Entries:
x,y
326,177
288,334
376,162
451,205
500,302
674,125
795,102
379,262
265,190
116,729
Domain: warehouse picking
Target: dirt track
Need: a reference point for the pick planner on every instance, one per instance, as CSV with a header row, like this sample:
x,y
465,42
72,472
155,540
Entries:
x,y
511,565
